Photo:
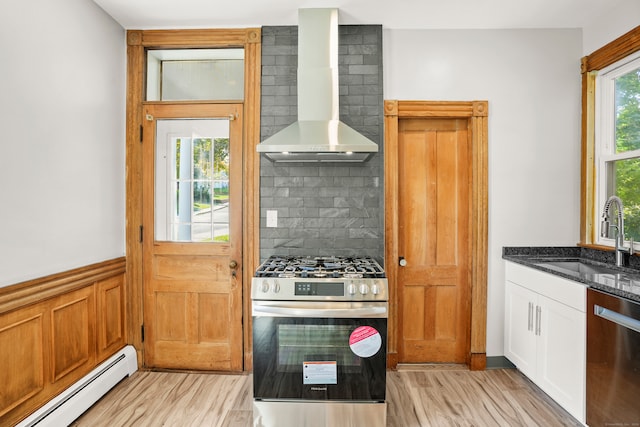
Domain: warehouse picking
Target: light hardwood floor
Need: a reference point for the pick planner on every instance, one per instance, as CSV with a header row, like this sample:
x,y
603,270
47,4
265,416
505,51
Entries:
x,y
416,397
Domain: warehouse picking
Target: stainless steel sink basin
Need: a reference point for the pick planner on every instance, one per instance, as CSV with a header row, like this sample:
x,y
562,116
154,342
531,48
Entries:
x,y
597,274
578,267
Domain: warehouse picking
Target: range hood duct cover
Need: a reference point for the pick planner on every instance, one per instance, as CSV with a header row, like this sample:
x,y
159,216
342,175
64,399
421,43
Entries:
x,y
318,135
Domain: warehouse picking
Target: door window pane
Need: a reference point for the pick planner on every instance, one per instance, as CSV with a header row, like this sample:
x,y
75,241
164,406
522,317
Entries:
x,y
192,181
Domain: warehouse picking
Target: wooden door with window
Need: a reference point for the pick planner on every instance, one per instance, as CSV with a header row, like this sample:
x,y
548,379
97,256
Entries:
x,y
192,240
434,172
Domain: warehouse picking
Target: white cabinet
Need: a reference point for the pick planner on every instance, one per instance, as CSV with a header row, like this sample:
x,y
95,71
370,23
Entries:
x,y
520,339
545,331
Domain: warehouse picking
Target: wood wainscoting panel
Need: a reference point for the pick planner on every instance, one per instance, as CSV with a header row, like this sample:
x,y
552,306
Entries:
x,y
51,330
23,368
110,322
72,332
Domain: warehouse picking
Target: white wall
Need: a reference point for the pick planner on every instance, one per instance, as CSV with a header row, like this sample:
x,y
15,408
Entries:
x,y
62,120
608,27
531,79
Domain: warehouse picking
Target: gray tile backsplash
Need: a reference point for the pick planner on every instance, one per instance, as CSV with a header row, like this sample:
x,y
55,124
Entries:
x,y
327,209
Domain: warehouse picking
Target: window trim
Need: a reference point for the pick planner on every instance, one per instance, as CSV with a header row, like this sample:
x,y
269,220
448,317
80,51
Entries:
x,y
620,48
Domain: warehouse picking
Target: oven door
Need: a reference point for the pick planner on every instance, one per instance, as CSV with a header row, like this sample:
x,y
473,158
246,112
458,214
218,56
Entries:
x,y
323,351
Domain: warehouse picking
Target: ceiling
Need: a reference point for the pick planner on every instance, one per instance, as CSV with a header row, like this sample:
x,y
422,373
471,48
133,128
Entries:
x,y
396,14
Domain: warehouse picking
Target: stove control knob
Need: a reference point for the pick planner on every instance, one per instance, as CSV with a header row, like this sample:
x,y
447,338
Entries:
x,y
264,287
352,289
275,288
364,289
375,289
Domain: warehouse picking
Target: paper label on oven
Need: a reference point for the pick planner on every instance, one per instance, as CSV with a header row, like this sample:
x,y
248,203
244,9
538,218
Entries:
x,y
320,372
365,341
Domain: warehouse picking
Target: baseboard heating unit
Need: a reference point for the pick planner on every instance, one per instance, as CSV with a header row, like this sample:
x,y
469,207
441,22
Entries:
x,y
74,401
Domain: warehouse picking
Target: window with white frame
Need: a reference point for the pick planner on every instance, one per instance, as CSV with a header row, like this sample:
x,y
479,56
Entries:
x,y
618,142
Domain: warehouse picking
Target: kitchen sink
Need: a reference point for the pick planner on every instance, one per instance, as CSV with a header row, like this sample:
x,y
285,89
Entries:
x,y
577,266
608,276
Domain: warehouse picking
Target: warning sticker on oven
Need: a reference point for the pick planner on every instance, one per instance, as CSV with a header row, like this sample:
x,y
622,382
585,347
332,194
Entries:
x,y
320,372
365,341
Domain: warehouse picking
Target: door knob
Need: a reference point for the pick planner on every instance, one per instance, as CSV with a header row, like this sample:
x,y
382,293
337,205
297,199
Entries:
x,y
233,264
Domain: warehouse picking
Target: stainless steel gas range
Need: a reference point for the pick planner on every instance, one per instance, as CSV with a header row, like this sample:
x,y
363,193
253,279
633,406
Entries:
x,y
319,342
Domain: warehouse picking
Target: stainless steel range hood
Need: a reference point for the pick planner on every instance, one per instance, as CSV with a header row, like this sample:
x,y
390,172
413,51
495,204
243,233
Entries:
x,y
318,135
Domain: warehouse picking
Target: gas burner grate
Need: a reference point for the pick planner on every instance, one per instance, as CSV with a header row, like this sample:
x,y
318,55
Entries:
x,y
327,266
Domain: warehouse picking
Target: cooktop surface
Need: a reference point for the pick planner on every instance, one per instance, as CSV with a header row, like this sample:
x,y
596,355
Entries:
x,y
329,266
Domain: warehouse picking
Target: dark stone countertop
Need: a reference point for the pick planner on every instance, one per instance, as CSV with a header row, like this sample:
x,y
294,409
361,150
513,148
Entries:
x,y
619,281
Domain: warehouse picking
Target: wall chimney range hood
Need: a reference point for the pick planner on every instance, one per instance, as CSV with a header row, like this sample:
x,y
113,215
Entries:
x,y
318,135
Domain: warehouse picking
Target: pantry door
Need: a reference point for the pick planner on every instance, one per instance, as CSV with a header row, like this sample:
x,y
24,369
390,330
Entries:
x,y
436,174
433,240
192,236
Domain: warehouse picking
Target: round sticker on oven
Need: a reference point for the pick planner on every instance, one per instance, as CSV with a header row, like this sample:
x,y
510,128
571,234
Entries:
x,y
365,341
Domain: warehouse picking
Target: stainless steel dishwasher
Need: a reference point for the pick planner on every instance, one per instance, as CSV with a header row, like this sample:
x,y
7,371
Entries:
x,y
613,360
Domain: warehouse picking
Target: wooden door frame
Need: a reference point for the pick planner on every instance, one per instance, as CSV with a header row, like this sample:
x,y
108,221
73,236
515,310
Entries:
x,y
476,112
138,41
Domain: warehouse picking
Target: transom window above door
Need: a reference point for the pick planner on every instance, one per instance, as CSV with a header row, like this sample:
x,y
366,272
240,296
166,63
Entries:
x,y
195,74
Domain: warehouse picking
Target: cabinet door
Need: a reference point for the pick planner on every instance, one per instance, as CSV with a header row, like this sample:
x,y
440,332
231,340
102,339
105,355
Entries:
x,y
520,341
561,355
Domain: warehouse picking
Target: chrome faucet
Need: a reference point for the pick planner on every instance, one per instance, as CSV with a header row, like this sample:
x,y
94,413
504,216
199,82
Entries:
x,y
605,227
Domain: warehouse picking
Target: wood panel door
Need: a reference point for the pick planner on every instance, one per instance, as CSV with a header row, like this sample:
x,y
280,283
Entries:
x,y
434,240
192,251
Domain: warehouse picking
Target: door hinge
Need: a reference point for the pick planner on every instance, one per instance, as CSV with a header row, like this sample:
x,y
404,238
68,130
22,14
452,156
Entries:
x,y
142,333
141,233
141,133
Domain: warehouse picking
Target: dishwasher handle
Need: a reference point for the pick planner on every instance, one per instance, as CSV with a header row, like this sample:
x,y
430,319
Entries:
x,y
617,318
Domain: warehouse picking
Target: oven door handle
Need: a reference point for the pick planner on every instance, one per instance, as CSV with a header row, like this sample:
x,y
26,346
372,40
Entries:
x,y
617,318
280,311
